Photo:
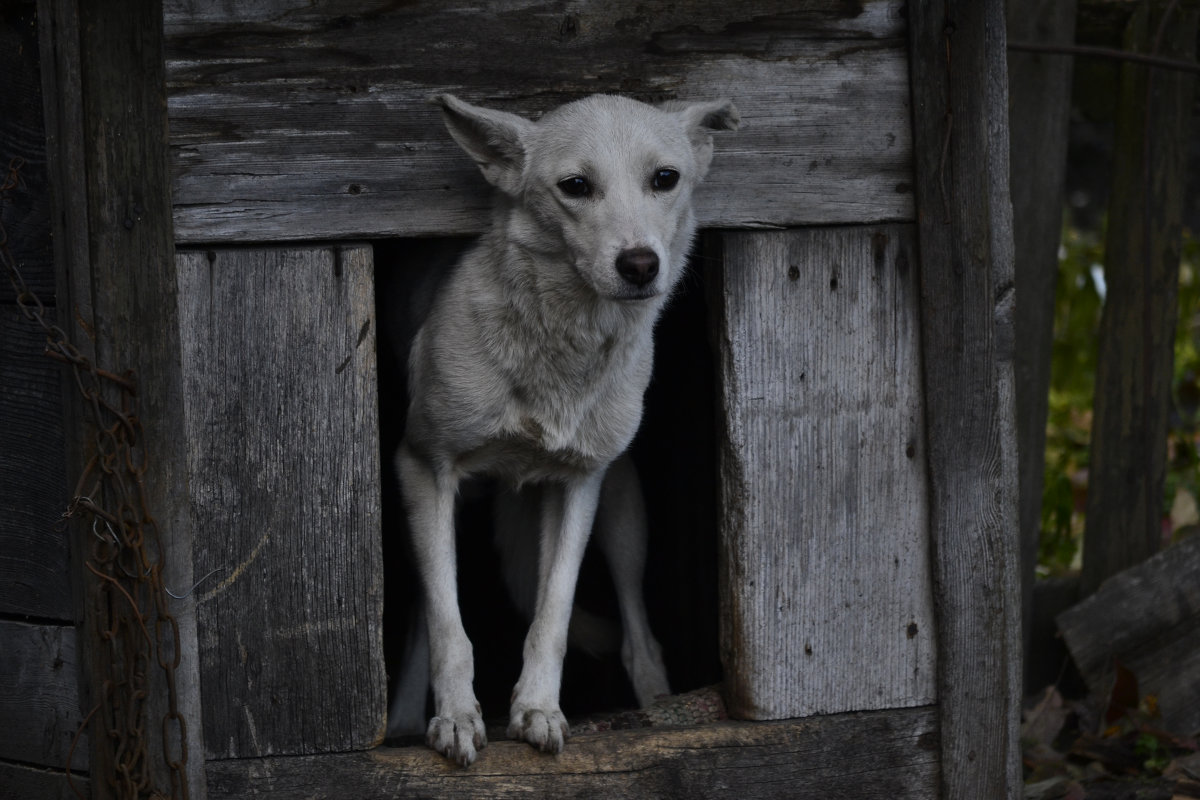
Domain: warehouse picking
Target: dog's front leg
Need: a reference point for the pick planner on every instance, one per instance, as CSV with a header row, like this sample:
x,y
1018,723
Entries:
x,y
567,515
456,730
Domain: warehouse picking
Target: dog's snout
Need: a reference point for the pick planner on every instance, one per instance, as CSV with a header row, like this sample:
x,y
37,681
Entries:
x,y
639,266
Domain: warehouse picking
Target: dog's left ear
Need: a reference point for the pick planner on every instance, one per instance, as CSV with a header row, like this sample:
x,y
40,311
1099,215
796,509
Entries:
x,y
700,120
493,139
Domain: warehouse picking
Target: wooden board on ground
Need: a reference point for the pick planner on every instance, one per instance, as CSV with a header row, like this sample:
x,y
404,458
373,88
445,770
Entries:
x,y
871,756
39,695
288,123
283,454
825,560
1148,619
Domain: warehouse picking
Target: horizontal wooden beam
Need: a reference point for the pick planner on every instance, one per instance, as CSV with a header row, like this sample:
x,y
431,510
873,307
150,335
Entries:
x,y
288,124
887,755
20,780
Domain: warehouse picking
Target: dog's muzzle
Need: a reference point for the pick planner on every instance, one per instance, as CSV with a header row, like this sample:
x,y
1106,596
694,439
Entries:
x,y
638,266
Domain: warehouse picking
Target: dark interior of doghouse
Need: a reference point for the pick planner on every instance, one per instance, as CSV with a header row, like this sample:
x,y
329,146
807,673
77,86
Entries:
x,y
675,452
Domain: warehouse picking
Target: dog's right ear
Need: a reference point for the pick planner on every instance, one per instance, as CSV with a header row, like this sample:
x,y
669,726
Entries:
x,y
493,139
701,119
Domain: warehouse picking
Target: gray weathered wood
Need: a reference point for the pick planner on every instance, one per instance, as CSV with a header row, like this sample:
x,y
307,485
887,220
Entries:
x,y
282,441
1148,618
1134,362
31,783
871,756
1038,111
289,121
960,144
104,84
34,577
826,601
39,695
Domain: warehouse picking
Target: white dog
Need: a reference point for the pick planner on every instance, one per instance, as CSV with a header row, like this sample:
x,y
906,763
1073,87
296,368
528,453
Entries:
x,y
531,366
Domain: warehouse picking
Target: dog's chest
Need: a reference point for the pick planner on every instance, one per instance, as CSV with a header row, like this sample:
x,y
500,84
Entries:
x,y
543,437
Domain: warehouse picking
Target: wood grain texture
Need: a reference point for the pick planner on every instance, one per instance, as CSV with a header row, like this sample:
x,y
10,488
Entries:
x,y
1148,618
25,212
34,574
39,695
279,354
1038,111
103,74
826,601
31,783
291,122
33,550
960,122
875,756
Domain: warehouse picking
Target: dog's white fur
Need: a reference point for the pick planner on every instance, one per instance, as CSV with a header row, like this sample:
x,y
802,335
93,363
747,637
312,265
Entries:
x,y
531,367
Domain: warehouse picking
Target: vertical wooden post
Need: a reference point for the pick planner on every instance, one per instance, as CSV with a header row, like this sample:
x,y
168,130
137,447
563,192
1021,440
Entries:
x,y
1142,251
960,105
107,137
1038,112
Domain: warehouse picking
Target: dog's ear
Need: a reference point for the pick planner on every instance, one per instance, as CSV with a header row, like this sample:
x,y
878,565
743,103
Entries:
x,y
700,120
493,139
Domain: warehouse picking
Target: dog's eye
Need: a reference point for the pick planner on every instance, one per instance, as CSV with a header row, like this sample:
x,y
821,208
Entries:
x,y
665,179
575,186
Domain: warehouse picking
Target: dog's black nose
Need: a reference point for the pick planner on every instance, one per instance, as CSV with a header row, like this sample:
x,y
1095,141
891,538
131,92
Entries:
x,y
638,266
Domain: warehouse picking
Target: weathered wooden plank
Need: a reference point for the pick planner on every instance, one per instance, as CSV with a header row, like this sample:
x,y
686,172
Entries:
x,y
288,123
960,144
1038,111
39,695
1134,365
103,78
1148,618
30,783
871,756
279,354
25,212
33,554
826,598
34,577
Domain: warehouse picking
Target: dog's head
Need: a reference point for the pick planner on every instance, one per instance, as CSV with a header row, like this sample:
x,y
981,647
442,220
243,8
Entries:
x,y
604,183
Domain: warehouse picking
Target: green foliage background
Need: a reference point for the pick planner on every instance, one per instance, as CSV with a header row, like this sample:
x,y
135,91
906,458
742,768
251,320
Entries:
x,y
1078,306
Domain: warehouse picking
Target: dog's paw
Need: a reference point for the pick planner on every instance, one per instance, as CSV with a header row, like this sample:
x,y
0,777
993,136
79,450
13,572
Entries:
x,y
545,729
458,737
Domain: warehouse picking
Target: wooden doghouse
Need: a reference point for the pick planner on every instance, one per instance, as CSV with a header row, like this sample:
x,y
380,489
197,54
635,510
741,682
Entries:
x,y
858,280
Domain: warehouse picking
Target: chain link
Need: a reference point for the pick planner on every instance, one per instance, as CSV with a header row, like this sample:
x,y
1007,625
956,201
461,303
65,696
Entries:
x,y
125,556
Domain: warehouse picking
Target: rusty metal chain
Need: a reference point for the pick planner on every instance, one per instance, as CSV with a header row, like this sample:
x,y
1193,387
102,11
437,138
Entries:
x,y
125,555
